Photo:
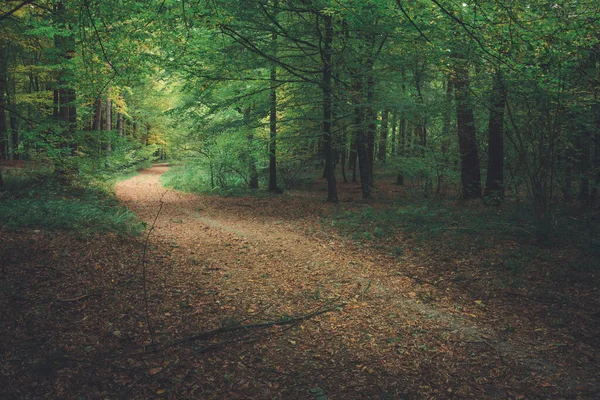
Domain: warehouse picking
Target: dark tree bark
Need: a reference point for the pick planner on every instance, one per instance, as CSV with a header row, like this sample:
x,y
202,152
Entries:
x,y
421,124
467,141
362,146
494,187
273,119
120,123
327,114
108,120
353,156
3,89
12,116
371,116
393,137
402,133
64,96
343,164
447,116
583,147
252,171
596,160
108,114
98,115
383,134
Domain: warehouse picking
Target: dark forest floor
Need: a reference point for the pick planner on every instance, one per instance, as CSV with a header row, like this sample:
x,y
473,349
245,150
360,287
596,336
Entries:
x,y
390,325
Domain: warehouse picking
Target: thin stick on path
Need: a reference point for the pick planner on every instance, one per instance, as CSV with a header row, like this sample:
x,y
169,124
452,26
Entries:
x,y
238,328
144,251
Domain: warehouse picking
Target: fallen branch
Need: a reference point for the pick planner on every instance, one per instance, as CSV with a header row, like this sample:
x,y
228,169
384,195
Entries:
x,y
237,328
75,298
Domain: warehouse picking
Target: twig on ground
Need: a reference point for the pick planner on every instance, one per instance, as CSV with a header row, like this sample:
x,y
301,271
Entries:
x,y
75,298
237,328
362,294
145,250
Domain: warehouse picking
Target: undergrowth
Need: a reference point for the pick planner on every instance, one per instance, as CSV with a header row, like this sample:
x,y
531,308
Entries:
x,y
36,198
194,178
465,228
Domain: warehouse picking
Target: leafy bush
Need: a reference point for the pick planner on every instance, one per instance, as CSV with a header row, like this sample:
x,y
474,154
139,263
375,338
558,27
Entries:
x,y
76,215
34,198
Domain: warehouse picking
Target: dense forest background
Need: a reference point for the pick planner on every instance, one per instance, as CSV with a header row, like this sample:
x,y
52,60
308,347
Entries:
x,y
493,99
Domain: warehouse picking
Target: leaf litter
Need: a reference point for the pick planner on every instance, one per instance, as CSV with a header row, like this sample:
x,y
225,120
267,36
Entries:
x,y
235,290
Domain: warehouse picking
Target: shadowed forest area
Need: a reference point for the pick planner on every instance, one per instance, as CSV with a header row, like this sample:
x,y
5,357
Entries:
x,y
299,199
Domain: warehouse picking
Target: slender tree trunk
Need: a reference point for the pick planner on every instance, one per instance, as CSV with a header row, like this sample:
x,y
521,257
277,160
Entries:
x,y
494,187
402,134
273,118
467,141
332,196
252,171
447,116
108,119
343,164
393,138
583,145
3,89
383,134
98,115
362,145
371,116
421,119
108,114
353,156
596,160
12,116
120,124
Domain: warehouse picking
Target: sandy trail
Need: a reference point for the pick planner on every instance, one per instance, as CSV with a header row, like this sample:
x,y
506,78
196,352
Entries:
x,y
394,338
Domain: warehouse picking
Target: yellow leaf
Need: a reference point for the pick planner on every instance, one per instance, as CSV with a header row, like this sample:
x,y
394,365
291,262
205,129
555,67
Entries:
x,y
161,391
154,371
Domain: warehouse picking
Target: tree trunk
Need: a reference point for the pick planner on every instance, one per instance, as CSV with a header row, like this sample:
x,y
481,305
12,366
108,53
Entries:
x,y
12,116
353,156
596,159
467,141
3,88
98,115
362,146
252,171
343,164
583,146
393,138
494,187
447,116
120,124
371,116
383,134
108,119
108,114
273,118
327,132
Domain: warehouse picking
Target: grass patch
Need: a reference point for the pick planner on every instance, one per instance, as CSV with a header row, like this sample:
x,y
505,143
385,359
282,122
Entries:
x,y
36,200
461,227
192,178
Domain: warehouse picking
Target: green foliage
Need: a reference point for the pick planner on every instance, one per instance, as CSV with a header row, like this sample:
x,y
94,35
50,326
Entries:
x,y
38,201
125,159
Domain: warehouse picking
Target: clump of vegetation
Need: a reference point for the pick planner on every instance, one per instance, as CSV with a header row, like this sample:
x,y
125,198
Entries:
x,y
448,226
38,199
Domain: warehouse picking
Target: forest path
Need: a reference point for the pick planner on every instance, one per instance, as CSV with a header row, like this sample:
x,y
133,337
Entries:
x,y
258,259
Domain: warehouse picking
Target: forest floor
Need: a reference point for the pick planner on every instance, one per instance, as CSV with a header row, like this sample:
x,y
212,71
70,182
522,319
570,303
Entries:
x,y
260,297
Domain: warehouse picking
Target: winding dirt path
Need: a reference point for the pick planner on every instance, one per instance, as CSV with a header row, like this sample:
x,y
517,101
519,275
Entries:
x,y
248,260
